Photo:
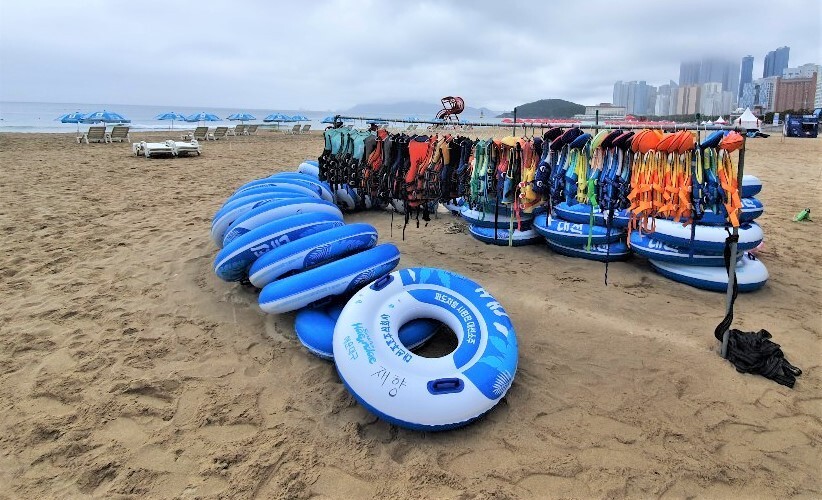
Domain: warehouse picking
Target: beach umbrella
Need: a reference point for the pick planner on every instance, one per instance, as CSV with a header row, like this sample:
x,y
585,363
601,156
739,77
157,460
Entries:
x,y
105,117
243,117
75,117
171,115
300,118
276,117
202,117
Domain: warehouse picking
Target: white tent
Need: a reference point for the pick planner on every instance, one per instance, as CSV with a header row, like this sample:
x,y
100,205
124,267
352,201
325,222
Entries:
x,y
748,121
720,121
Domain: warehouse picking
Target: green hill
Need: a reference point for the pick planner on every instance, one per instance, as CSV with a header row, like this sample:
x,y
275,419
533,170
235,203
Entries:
x,y
547,108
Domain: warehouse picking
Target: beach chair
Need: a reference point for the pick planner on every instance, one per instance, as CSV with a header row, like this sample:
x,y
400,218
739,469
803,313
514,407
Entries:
x,y
305,129
119,133
251,129
149,149
94,134
238,130
219,133
293,130
199,134
184,148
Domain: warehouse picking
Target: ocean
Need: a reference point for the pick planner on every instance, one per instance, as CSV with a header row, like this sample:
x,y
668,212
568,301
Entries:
x,y
42,116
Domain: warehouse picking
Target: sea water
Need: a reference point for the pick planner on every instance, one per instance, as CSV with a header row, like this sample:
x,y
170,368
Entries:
x,y
44,117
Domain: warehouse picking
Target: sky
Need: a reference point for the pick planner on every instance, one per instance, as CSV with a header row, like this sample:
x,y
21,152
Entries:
x,y
333,54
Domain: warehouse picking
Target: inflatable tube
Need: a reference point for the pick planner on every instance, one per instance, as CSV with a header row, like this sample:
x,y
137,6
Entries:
x,y
644,245
750,186
312,251
309,169
274,210
346,197
335,278
315,330
425,393
485,219
709,240
751,209
233,210
751,274
574,235
581,214
325,190
501,236
275,187
618,251
233,261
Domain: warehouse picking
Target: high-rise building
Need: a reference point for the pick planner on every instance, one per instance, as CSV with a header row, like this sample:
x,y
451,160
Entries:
x,y
804,71
817,100
687,99
776,61
794,93
750,95
635,96
766,88
689,73
710,69
662,106
746,75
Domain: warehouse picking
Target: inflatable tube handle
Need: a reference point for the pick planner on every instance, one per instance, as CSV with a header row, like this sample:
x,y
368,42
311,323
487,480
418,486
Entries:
x,y
445,386
382,282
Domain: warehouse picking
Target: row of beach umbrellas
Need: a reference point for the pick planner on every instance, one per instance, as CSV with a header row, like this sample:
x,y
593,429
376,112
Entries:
x,y
112,117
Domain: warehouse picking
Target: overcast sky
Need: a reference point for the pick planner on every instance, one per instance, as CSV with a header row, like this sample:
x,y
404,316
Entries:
x,y
332,54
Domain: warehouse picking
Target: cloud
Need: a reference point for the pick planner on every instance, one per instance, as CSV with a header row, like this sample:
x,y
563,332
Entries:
x,y
331,54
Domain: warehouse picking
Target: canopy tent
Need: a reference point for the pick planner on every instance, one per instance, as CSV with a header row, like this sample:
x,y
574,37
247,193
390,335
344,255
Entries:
x,y
748,120
720,121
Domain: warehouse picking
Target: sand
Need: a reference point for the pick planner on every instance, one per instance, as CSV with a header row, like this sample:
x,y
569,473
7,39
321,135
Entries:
x,y
128,369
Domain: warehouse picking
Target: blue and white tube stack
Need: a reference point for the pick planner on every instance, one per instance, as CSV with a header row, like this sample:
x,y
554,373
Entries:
x,y
694,255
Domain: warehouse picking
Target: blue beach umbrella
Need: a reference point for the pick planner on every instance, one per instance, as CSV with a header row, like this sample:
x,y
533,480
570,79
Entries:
x,y
243,117
276,117
75,117
171,115
330,119
300,118
202,117
105,117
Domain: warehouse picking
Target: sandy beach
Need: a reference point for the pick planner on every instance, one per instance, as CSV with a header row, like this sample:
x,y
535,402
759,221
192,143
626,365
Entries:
x,y
128,369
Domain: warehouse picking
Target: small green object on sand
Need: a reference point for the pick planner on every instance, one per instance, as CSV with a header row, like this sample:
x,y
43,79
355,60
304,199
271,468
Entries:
x,y
804,215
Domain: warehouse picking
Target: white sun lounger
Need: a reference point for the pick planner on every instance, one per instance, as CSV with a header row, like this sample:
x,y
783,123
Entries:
x,y
149,149
185,148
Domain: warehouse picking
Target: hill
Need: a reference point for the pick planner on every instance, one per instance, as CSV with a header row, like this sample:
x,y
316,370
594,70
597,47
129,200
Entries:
x,y
547,108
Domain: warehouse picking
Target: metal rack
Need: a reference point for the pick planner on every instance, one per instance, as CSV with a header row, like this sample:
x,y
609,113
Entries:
x,y
729,294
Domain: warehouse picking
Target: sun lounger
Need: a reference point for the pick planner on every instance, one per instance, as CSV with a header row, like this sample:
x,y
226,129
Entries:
x,y
238,130
251,129
152,149
219,133
185,148
199,134
305,129
94,134
293,130
119,133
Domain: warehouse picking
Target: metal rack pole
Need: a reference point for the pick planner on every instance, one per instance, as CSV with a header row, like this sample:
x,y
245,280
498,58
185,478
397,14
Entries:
x,y
729,293
637,126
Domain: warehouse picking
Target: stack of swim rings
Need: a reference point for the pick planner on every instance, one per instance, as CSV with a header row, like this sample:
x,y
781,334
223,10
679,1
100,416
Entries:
x,y
578,227
284,235
693,254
